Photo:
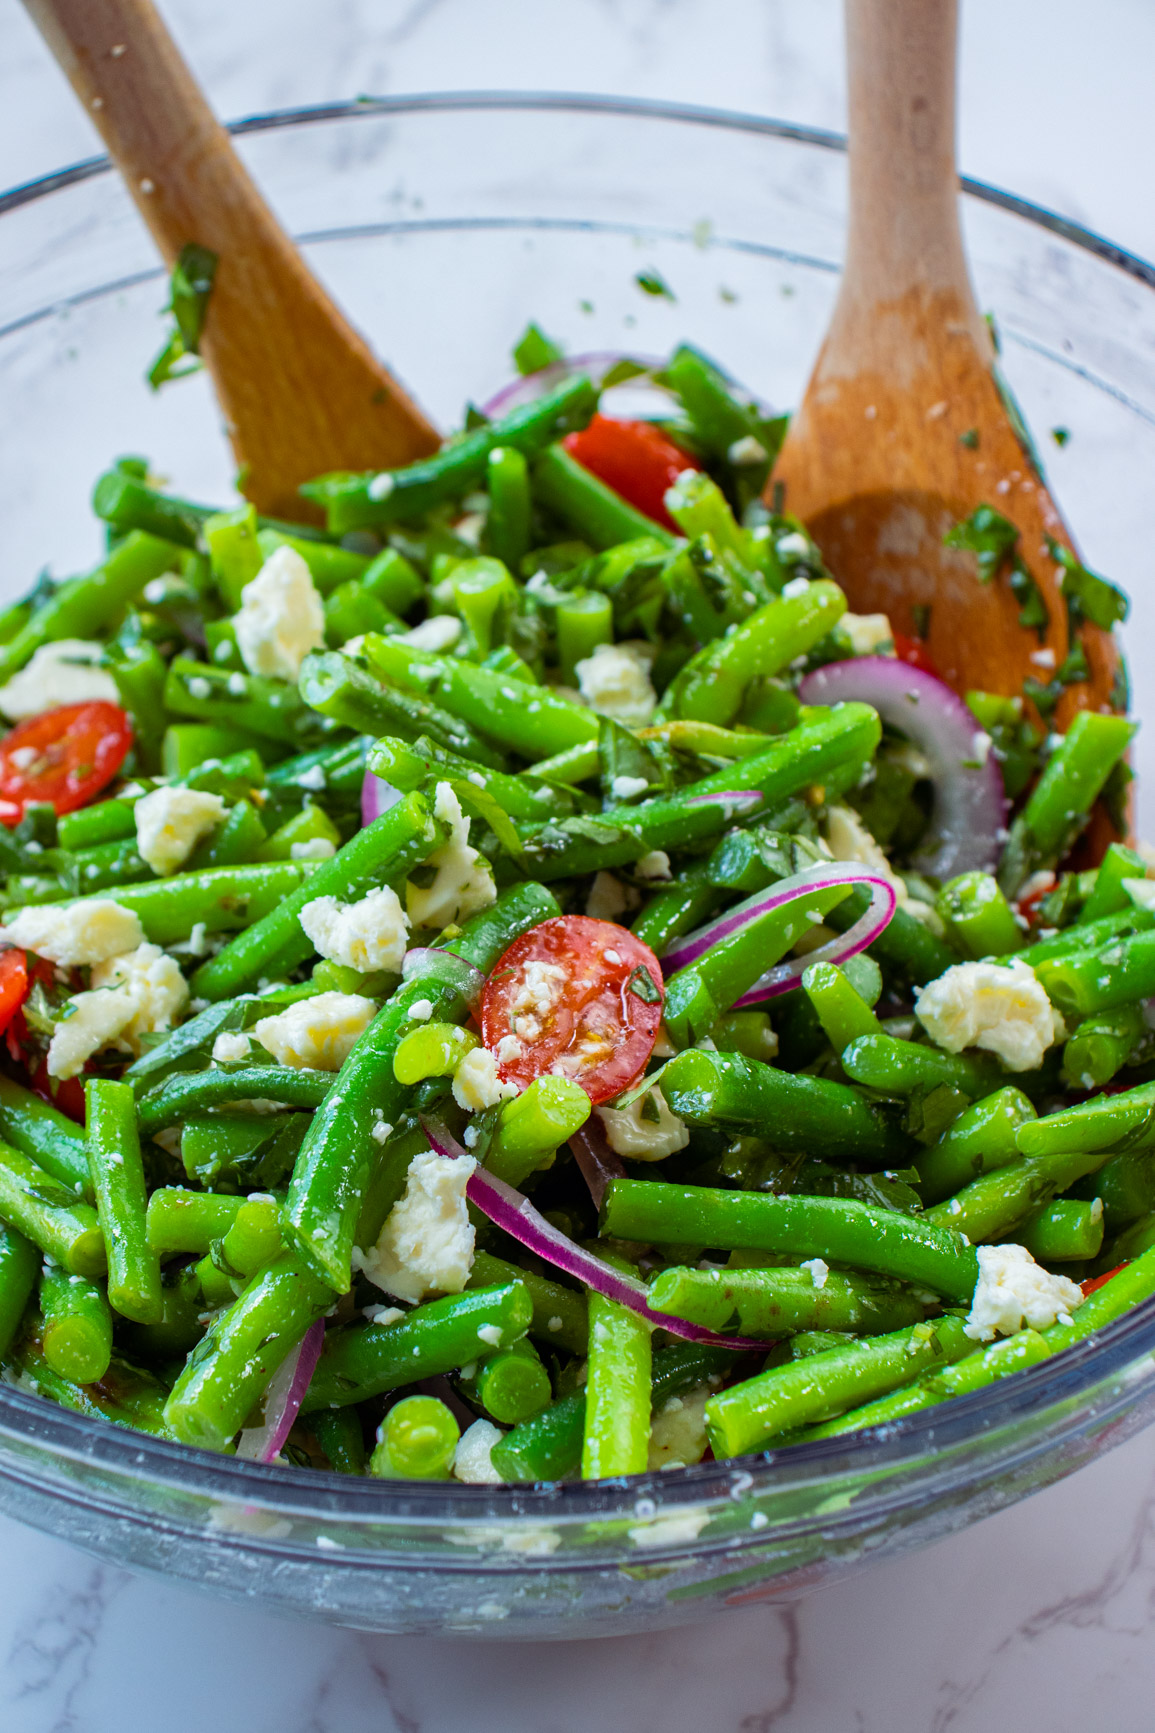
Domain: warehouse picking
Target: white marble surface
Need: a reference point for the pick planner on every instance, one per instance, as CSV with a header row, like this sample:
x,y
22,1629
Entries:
x,y
1039,1618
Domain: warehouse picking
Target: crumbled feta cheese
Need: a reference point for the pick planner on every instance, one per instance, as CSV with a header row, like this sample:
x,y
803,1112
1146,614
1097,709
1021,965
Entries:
x,y
848,839
382,1316
1003,1009
65,672
678,1430
473,1462
819,1270
316,1034
77,934
476,1084
426,1245
199,687
508,1049
1014,1292
439,632
313,848
490,1333
796,587
313,778
626,787
537,993
365,935
793,546
170,822
655,865
463,883
382,1131
609,898
281,617
381,486
867,634
630,1133
981,744
135,994
421,1010
615,681
746,452
230,1048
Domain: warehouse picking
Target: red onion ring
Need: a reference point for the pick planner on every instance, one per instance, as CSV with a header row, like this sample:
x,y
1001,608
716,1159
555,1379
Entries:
x,y
596,364
469,981
596,1160
970,806
784,976
376,797
283,1398
516,1216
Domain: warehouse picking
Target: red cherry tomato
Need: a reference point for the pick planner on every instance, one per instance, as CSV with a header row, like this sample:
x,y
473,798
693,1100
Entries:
x,y
1094,1282
33,970
63,757
581,998
915,653
13,985
634,458
65,1094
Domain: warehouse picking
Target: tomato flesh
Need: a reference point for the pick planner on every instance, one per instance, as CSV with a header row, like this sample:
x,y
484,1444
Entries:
x,y
915,654
14,985
62,757
1094,1282
635,458
581,999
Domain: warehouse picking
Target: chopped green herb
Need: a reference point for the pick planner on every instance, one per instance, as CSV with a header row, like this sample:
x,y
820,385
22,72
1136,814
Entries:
x,y
534,350
651,282
189,290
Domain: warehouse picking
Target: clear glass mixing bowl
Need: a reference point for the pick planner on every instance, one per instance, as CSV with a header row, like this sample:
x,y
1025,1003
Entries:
x,y
444,223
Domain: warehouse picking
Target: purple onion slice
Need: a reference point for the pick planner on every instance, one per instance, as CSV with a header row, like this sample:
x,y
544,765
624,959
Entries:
x,y
283,1399
376,797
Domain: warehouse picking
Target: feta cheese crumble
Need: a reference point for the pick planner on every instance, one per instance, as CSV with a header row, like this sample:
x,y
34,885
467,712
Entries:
x,y
626,787
365,935
646,1130
615,681
819,1270
77,935
66,672
136,994
537,993
609,897
230,1048
170,822
462,883
867,634
655,865
313,848
473,1462
439,632
476,1084
1000,1008
1013,1292
316,1034
426,1245
281,617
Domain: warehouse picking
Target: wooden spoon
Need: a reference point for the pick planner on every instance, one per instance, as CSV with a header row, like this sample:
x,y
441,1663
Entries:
x,y
902,431
300,389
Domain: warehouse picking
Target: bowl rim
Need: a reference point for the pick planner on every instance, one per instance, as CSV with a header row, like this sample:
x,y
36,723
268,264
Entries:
x,y
916,1439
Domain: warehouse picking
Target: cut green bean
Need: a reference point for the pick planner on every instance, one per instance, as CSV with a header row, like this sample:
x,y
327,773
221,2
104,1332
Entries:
x,y
981,1138
779,1302
534,1125
1061,800
114,1160
338,1432
511,1385
1067,1230
46,1135
979,917
20,1262
417,1440
992,1206
1101,1046
77,1328
560,1317
50,1215
616,1434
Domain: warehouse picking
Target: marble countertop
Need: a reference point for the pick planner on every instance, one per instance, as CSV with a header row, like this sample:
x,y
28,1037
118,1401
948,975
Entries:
x,y
1041,1617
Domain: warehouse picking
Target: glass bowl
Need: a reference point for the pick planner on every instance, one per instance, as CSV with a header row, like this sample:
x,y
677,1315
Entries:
x,y
444,223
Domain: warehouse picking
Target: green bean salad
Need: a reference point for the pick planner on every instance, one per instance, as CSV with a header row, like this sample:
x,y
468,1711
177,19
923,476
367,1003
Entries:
x,y
521,983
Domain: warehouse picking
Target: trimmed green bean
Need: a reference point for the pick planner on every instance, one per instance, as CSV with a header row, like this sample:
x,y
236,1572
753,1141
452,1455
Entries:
x,y
343,690
77,1329
49,1214
981,1138
417,1440
413,766
20,1262
586,505
992,1206
560,1316
842,1010
1067,1230
1109,1122
189,1092
1061,800
780,1302
117,1168
1108,896
616,1434
1101,1046
46,1135
127,1394
511,1385
93,603
178,1221
1085,982
712,685
338,1432
534,1125
900,1067
979,917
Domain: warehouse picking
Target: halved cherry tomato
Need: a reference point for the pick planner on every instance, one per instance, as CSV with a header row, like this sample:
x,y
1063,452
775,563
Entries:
x,y
14,985
915,654
581,999
64,1093
634,458
1094,1282
16,1029
63,757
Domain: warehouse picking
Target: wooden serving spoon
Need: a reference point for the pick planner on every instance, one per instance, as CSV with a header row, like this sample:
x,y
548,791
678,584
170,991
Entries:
x,y
902,431
300,389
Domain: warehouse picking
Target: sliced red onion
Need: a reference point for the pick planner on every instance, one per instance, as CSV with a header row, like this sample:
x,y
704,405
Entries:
x,y
283,1398
516,1216
376,797
596,364
970,805
783,976
597,1161
450,967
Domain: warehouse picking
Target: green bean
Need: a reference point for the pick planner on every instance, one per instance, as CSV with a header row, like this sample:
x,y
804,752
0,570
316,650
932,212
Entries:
x,y
308,825
733,1093
560,1317
189,1092
1109,1122
235,555
779,1302
981,1138
1125,1186
718,418
254,1237
48,1214
181,1323
248,703
338,1432
329,566
20,1262
1101,1046
511,1385
343,690
431,1050
178,1221
337,1157
616,1435
363,1360
107,821
1067,1230
1084,982
1136,1239
232,1366
979,917
486,599
1108,896
748,1416
93,603
992,1206
575,765
342,768
127,1395
547,1447
117,1169
1061,800
47,1136
673,912
408,767
77,1332
583,622
534,1125
711,686
188,744
839,1230
417,1440
906,947
238,840
124,502
223,899
351,611
842,1011
110,864
900,1067
586,505
275,944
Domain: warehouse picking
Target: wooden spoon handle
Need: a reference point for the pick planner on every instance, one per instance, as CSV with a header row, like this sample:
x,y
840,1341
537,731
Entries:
x,y
300,389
